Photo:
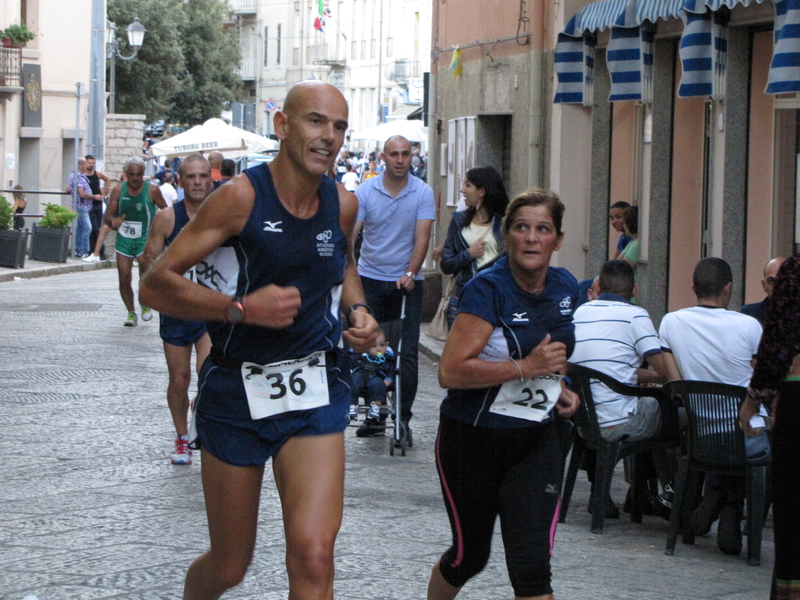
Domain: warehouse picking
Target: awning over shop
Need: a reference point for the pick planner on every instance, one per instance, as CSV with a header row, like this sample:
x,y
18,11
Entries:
x,y
784,71
703,48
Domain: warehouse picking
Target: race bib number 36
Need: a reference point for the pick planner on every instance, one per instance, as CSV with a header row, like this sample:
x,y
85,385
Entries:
x,y
286,386
131,230
530,399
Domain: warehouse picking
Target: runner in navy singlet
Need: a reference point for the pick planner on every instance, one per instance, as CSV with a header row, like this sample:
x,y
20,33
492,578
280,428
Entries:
x,y
179,335
273,253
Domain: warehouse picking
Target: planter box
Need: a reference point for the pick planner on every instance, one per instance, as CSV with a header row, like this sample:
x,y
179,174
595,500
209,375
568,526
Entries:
x,y
13,245
50,245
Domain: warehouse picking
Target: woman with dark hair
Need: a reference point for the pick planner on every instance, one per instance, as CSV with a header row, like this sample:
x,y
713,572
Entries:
x,y
475,236
497,451
776,384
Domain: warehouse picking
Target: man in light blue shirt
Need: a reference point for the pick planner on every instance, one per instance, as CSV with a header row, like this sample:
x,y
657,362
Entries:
x,y
396,211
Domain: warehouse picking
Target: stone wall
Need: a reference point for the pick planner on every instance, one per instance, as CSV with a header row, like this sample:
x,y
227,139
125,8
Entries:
x,y
123,139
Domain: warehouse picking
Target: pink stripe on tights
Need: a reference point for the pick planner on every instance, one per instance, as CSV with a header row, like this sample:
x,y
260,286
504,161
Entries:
x,y
449,499
553,525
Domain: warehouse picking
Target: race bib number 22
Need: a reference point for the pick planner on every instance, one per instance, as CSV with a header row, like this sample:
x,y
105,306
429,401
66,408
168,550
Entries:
x,y
529,399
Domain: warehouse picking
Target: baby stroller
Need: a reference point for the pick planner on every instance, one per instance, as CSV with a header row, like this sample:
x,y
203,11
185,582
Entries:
x,y
390,411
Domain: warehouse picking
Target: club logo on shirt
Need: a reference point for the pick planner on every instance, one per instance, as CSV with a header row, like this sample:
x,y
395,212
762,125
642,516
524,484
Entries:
x,y
273,226
324,246
520,317
566,305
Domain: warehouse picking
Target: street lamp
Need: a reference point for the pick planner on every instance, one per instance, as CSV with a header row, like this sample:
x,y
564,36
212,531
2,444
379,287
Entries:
x,y
136,33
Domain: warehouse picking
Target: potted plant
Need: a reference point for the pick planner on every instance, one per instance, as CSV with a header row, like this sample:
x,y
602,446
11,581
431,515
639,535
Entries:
x,y
16,35
13,243
50,241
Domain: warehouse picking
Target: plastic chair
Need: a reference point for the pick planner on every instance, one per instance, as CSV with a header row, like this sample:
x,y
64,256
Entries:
x,y
609,453
716,446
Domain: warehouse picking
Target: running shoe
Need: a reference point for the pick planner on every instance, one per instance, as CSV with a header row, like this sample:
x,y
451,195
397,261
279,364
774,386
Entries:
x,y
92,258
182,454
353,412
147,314
374,411
132,320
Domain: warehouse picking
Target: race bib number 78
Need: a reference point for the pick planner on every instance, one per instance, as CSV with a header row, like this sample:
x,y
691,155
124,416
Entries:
x,y
530,399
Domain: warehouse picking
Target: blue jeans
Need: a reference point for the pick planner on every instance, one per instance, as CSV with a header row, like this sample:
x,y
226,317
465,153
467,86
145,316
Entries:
x,y
385,299
371,386
83,227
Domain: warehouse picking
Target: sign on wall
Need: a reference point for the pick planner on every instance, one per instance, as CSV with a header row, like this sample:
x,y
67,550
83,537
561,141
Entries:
x,y
32,98
460,155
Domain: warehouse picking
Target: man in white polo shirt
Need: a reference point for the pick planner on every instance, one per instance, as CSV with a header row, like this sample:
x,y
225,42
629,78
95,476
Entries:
x,y
396,211
614,337
711,343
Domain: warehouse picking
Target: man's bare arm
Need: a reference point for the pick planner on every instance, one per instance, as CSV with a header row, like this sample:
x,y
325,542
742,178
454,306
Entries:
x,y
162,227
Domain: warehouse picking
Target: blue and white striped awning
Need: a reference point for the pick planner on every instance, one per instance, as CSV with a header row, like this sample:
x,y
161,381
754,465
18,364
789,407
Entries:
x,y
703,49
629,57
602,15
784,71
574,66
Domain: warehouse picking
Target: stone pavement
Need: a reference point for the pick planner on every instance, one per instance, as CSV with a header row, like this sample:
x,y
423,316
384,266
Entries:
x,y
91,508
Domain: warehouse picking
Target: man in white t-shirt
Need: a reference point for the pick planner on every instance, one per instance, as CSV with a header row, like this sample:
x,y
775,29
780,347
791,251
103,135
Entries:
x,y
350,179
711,343
614,337
168,189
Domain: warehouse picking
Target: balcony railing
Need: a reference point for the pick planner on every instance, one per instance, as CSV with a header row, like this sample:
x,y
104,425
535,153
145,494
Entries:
x,y
405,69
244,7
247,69
325,54
10,67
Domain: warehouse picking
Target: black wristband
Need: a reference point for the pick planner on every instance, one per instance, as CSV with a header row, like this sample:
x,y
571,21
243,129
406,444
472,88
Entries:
x,y
355,306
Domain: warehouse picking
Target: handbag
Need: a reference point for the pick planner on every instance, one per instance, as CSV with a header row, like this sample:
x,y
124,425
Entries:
x,y
438,328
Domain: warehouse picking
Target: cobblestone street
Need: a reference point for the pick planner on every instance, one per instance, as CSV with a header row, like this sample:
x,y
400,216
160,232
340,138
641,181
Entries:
x,y
91,508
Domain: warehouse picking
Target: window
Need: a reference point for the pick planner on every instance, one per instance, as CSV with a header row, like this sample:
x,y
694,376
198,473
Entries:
x,y
373,48
266,46
278,47
353,50
363,49
295,56
389,47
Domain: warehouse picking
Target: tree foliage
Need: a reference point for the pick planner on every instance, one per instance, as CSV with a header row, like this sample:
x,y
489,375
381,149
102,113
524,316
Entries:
x,y
212,55
185,70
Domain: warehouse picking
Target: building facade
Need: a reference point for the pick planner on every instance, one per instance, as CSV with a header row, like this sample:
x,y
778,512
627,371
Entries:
x,y
374,51
687,109
38,96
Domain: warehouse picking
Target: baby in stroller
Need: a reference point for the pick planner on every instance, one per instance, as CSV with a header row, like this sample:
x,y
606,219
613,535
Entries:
x,y
373,375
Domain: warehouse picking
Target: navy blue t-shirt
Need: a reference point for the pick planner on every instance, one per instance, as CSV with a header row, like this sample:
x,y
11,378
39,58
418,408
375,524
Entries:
x,y
520,321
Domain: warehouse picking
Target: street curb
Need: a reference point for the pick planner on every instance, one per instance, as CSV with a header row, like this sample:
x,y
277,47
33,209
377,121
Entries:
x,y
60,269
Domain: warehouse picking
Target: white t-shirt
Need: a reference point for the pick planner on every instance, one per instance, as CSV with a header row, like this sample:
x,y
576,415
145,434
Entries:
x,y
350,181
613,337
713,344
169,192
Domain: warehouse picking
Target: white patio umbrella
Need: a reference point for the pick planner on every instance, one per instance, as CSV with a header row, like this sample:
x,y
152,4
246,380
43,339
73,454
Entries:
x,y
412,130
214,134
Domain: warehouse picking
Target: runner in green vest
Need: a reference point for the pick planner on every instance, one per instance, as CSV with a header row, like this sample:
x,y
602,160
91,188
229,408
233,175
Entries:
x,y
131,209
